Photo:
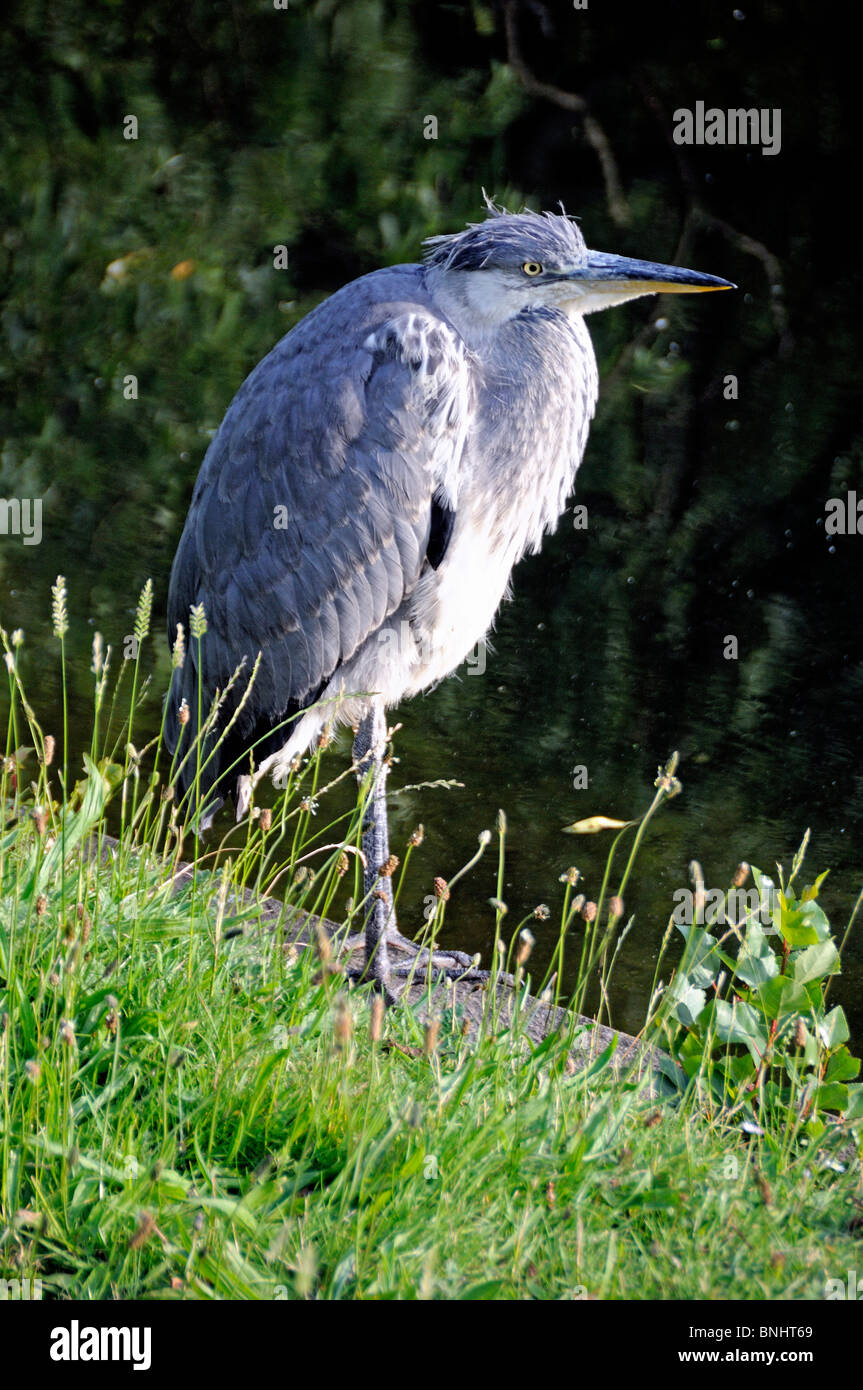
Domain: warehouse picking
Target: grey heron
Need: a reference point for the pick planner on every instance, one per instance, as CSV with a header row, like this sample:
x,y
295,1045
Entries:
x,y
375,479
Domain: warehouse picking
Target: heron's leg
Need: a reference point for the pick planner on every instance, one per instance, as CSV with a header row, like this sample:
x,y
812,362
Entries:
x,y
382,929
370,746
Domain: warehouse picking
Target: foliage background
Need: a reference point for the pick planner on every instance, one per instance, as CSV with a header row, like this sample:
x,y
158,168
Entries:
x,y
304,127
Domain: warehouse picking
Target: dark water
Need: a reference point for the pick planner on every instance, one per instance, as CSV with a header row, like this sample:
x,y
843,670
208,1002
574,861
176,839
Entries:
x,y
706,514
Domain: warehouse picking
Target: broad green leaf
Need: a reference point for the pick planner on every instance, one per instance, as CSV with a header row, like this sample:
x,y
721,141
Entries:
x,y
834,1028
703,958
811,891
842,1066
802,924
741,1068
855,1103
739,1023
781,997
833,1096
756,961
815,962
688,1001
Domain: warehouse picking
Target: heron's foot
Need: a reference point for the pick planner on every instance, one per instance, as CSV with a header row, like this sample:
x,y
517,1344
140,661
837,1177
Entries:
x,y
455,964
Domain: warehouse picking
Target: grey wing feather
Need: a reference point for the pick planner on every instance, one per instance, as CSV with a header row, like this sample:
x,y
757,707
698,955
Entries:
x,y
310,520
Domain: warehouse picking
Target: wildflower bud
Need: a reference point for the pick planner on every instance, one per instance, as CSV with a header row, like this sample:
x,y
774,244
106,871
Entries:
x,y
40,820
145,1229
541,912
697,879
571,876
501,822
343,1022
377,1018
800,1034
441,889
178,654
58,607
388,869
417,837
578,903
183,714
198,621
431,1037
86,926
10,662
266,820
98,660
325,950
50,745
499,906
588,912
111,1022
741,875
342,864
484,837
550,1194
615,907
569,1066
67,1033
33,1070
526,941
41,905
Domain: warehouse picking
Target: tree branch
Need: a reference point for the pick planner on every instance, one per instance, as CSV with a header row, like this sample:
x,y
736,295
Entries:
x,y
618,207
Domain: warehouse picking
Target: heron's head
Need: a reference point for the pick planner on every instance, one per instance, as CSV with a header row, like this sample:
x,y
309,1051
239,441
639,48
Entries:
x,y
513,262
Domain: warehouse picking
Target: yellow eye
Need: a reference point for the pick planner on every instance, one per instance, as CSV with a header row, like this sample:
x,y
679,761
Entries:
x,y
532,268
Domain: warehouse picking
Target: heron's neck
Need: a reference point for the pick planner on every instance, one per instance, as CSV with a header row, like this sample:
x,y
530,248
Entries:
x,y
471,305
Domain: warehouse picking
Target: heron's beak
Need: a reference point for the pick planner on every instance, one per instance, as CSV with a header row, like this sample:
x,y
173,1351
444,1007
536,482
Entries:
x,y
603,280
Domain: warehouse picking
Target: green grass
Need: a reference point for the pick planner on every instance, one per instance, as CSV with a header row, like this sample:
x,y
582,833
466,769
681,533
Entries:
x,y
190,1110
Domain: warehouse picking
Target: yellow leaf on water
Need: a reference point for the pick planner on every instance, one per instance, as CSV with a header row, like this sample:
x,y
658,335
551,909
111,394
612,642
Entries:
x,y
593,824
